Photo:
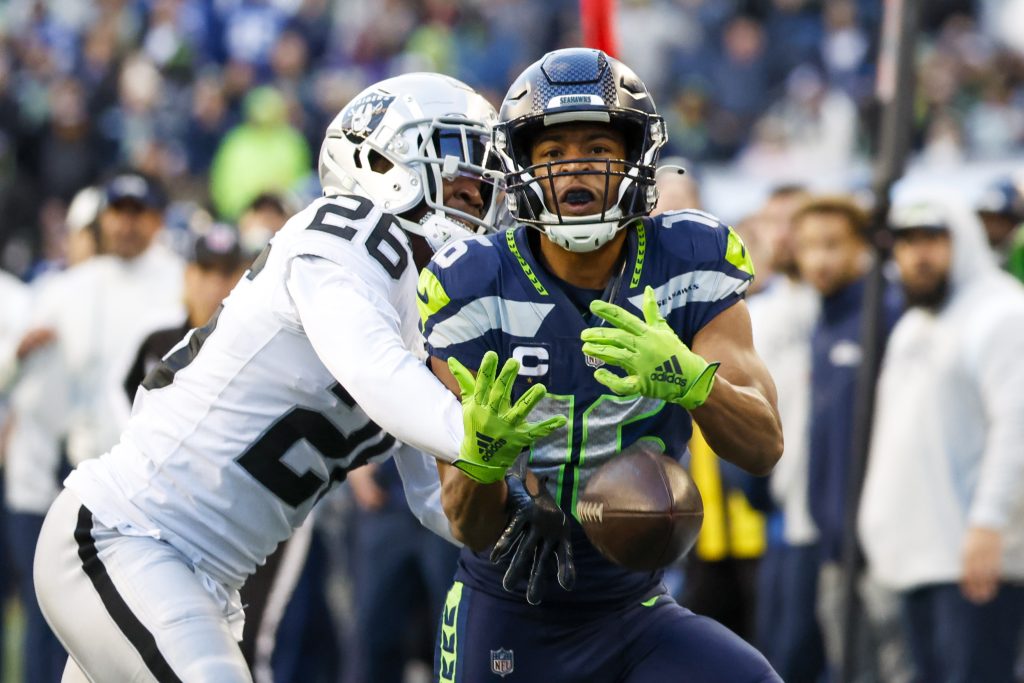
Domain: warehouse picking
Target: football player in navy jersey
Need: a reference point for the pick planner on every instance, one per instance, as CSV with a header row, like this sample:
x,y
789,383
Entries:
x,y
637,326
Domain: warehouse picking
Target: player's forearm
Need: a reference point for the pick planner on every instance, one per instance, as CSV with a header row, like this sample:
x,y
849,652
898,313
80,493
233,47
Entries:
x,y
476,512
360,343
741,426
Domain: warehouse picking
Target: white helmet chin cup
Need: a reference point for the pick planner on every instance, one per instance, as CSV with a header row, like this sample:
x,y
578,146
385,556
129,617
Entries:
x,y
438,230
400,139
581,238
579,234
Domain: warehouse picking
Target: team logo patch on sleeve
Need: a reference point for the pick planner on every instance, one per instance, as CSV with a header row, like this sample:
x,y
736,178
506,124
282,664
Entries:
x,y
502,662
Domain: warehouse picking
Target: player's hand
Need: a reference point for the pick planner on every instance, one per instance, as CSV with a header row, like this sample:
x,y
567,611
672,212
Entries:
x,y
658,364
537,529
34,339
983,564
496,429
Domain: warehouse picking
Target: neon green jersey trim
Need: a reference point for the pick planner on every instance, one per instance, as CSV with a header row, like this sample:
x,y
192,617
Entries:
x,y
449,634
736,253
511,239
650,602
641,253
430,295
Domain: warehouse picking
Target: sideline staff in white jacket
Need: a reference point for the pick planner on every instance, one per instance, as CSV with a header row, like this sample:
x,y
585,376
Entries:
x,y
942,515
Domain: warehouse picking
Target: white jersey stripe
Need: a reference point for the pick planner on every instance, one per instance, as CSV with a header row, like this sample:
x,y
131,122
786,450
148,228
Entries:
x,y
698,286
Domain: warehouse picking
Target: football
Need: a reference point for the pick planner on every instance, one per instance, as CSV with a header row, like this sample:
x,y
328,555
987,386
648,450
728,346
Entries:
x,y
641,509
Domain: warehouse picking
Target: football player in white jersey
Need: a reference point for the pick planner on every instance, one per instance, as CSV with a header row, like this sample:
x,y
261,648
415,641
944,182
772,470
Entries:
x,y
312,366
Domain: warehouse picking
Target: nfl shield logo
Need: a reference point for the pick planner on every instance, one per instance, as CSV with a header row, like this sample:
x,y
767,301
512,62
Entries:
x,y
502,662
594,362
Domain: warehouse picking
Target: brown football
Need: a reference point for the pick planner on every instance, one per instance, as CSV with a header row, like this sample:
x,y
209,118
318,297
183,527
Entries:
x,y
641,509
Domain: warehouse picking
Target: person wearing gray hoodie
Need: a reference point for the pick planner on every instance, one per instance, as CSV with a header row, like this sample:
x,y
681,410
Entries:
x,y
941,517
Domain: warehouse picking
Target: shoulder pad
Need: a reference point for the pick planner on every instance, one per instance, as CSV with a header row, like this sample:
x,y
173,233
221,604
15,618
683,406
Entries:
x,y
468,267
702,237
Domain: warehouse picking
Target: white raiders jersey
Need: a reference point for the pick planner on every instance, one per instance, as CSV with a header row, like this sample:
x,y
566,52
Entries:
x,y
242,428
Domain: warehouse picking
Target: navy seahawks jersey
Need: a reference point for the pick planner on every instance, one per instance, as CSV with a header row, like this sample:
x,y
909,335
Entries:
x,y
492,293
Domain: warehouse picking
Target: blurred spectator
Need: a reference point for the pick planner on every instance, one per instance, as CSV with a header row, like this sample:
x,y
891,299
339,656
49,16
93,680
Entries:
x,y
34,373
84,324
265,215
845,51
721,572
113,300
214,266
68,149
782,317
830,236
68,237
82,225
250,30
689,132
941,519
209,122
808,134
755,239
263,153
995,124
793,28
740,83
1001,210
14,315
403,572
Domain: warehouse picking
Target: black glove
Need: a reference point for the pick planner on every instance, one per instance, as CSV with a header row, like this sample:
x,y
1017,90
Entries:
x,y
537,529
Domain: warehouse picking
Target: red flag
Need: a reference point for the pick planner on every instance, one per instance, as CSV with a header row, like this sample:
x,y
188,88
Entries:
x,y
597,18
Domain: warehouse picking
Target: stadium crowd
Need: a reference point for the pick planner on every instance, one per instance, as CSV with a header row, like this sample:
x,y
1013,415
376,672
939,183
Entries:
x,y
150,148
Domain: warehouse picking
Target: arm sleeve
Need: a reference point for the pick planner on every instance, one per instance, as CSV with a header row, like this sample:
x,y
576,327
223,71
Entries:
x,y
356,333
1000,375
422,486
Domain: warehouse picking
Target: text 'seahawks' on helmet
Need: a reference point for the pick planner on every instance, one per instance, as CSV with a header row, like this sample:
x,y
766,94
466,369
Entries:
x,y
399,139
586,86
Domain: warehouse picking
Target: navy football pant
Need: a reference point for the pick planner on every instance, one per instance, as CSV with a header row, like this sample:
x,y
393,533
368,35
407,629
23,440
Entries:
x,y
484,639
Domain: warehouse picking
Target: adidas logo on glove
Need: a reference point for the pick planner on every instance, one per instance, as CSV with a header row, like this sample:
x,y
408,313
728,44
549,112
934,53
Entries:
x,y
670,372
488,446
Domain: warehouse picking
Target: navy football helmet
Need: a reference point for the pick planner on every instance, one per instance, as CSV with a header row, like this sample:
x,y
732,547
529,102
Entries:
x,y
585,86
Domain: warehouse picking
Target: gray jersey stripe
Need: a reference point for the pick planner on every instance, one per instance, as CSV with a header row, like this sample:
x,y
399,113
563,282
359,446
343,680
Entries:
x,y
480,316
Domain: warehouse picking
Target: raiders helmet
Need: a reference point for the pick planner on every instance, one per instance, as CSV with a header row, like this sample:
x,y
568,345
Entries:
x,y
398,140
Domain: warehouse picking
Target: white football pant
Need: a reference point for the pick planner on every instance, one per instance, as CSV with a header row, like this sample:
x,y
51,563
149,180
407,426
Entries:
x,y
130,608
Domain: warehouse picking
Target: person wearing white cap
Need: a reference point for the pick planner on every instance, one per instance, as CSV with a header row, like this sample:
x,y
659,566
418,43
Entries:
x,y
941,518
66,371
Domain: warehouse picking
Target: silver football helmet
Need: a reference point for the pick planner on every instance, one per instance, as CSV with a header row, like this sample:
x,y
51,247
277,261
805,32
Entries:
x,y
400,139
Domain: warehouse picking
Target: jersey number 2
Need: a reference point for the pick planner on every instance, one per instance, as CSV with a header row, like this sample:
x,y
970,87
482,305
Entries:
x,y
264,459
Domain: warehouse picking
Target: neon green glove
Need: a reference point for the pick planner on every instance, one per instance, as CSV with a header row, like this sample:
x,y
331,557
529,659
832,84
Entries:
x,y
658,364
496,429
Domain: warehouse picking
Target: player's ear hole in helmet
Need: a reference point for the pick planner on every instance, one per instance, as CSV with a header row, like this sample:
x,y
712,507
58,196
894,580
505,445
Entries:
x,y
401,139
579,86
